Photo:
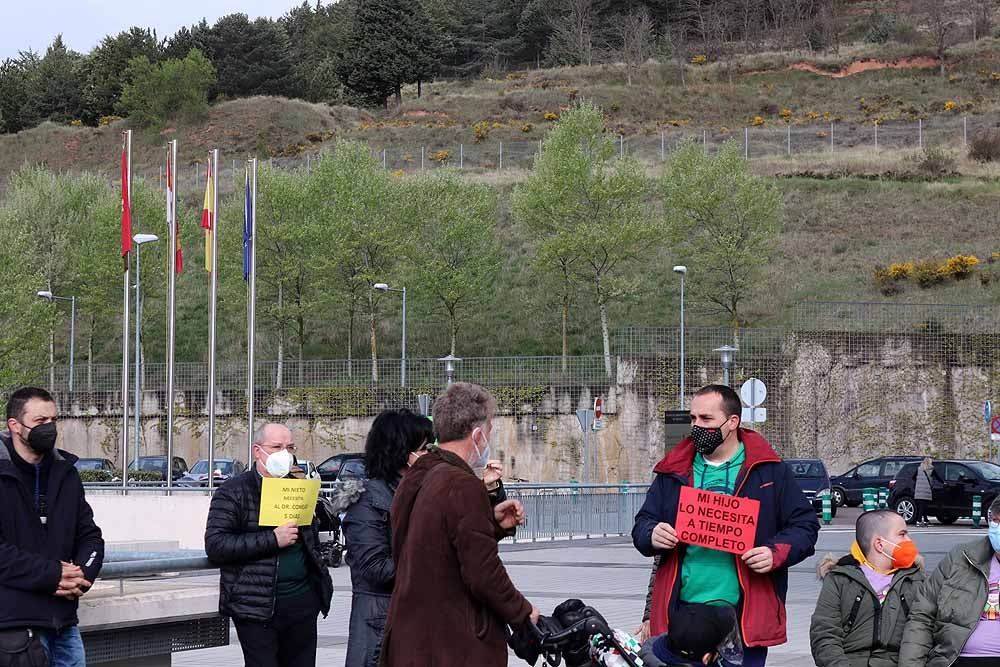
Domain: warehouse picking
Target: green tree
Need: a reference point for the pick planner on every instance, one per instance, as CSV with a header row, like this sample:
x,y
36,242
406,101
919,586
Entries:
x,y
250,57
455,255
170,89
317,34
588,209
357,203
724,222
59,83
107,66
18,93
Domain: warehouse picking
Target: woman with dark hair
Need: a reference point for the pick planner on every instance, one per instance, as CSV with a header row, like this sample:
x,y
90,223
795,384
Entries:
x,y
397,438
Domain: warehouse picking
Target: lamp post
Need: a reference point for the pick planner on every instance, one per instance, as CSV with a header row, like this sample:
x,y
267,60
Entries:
x,y
49,296
726,353
140,240
382,287
449,366
682,272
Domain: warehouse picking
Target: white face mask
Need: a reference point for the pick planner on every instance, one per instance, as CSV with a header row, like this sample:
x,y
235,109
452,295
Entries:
x,y
478,465
279,463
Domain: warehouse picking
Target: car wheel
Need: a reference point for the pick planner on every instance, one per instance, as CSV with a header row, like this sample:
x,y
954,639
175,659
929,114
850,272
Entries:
x,y
904,508
946,519
839,497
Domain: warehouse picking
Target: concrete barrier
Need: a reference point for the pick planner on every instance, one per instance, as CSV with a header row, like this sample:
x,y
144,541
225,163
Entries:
x,y
148,517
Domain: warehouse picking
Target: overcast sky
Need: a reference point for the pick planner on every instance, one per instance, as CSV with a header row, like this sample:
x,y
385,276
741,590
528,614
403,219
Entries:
x,y
83,23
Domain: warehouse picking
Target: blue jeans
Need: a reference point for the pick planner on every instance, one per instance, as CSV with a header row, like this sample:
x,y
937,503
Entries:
x,y
65,647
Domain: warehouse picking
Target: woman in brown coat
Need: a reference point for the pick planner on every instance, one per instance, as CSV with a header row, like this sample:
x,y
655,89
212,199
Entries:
x,y
452,597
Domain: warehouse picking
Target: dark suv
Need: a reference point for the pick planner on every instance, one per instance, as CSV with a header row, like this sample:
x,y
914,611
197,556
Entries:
x,y
342,466
848,488
953,484
815,481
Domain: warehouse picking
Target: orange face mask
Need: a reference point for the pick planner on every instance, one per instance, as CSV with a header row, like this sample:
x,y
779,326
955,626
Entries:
x,y
903,554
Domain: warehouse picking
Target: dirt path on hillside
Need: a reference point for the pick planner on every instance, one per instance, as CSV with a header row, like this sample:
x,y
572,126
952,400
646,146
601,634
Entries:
x,y
868,65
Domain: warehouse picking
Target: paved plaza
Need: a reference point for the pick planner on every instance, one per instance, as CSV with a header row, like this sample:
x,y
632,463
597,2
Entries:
x,y
610,575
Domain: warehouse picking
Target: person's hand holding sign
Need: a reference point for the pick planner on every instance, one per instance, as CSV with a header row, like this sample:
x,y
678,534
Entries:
x,y
287,534
664,536
759,559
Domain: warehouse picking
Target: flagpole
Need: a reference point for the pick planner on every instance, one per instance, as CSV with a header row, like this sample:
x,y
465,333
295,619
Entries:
x,y
171,301
127,280
212,315
252,311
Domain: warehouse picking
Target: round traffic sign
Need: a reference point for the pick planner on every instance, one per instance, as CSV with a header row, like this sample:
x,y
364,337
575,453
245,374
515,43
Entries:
x,y
753,392
598,407
995,424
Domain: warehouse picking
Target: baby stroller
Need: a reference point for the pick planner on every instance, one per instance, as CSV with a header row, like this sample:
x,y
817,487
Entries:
x,y
330,510
577,635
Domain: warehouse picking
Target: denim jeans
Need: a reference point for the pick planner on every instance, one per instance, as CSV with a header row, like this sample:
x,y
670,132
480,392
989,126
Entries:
x,y
65,647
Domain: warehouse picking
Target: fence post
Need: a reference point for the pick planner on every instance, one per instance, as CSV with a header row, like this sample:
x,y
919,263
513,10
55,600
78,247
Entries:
x,y
920,133
663,154
385,162
422,150
827,509
876,135
746,143
621,146
160,180
965,131
789,141
831,136
308,165
500,165
704,141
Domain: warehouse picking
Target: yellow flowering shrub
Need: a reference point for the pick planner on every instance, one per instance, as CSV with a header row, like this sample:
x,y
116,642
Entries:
x,y
699,59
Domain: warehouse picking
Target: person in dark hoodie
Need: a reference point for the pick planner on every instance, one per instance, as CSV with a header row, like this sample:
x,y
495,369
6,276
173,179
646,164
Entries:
x,y
50,548
273,582
700,634
865,601
720,456
453,598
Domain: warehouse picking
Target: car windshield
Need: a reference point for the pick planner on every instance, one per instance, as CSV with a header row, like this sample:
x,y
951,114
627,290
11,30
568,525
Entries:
x,y
990,471
807,469
89,464
201,467
156,465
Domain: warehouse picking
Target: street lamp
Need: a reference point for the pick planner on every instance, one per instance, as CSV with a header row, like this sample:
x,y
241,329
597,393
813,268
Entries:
x,y
49,296
682,272
726,352
382,287
140,240
449,366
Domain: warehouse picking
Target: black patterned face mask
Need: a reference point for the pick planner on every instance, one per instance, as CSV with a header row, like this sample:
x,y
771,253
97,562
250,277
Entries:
x,y
706,440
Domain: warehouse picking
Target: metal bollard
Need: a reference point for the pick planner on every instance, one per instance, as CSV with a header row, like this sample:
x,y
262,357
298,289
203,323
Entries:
x,y
883,498
868,500
827,509
977,511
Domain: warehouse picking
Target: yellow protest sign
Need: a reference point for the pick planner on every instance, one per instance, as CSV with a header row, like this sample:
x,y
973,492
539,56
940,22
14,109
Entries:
x,y
283,500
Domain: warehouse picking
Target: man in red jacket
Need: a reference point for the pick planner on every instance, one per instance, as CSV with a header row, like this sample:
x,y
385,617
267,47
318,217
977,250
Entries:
x,y
720,456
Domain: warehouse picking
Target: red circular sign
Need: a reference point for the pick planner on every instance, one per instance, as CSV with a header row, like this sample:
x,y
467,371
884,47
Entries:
x,y
598,408
995,424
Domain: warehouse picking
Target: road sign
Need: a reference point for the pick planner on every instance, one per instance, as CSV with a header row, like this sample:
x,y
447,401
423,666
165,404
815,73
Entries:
x,y
753,392
995,424
598,412
754,415
586,418
987,411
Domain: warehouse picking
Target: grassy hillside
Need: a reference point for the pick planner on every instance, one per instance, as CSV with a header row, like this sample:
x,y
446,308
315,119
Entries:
x,y
845,213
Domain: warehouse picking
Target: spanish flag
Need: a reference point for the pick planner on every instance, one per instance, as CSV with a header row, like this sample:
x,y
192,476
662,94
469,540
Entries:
x,y
208,215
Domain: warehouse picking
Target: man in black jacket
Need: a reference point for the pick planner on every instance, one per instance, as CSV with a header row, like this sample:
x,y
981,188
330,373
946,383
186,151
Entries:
x,y
274,584
50,548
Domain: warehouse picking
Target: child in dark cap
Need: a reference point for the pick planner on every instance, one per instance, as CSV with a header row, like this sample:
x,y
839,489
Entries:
x,y
700,634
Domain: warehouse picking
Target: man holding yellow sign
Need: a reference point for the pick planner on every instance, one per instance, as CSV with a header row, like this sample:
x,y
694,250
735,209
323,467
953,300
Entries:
x,y
262,534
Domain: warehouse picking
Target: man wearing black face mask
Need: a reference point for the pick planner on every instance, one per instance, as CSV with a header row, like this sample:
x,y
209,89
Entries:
x,y
50,549
720,456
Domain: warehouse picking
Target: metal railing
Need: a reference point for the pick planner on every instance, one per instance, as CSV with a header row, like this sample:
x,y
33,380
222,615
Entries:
x,y
576,511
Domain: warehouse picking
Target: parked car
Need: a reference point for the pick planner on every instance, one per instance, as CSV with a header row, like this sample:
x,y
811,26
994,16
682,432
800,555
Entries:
x,y
95,464
223,470
815,481
158,464
848,488
309,468
342,466
953,485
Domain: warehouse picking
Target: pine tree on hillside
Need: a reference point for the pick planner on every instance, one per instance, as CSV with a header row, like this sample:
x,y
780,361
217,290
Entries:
x,y
106,66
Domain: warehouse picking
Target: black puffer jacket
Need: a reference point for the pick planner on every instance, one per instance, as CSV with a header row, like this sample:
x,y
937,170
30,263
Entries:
x,y
247,554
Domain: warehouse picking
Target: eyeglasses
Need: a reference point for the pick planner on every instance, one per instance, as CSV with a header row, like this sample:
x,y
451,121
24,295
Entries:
x,y
277,448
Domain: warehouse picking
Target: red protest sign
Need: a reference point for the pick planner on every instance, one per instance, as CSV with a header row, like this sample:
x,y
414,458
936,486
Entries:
x,y
717,521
